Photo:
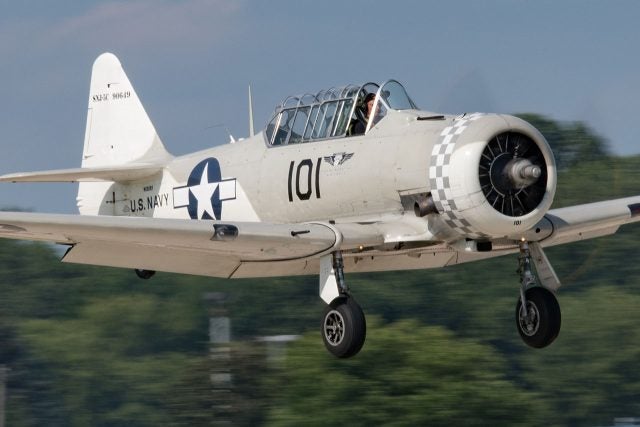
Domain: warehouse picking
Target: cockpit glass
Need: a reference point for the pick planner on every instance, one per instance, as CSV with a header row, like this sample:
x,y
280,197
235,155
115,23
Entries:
x,y
336,112
396,97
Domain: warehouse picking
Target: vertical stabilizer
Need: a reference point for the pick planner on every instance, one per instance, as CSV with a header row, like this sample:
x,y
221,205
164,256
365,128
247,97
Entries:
x,y
119,130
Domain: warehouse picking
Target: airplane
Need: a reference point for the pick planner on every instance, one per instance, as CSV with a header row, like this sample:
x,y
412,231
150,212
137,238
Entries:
x,y
349,179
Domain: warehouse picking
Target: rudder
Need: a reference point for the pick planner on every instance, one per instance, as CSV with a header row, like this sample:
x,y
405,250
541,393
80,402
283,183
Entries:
x,y
118,130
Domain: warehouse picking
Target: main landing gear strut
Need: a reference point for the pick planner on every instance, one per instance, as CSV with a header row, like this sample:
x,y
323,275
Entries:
x,y
343,324
537,311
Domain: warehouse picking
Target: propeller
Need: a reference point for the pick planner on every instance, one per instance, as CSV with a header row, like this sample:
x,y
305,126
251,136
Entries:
x,y
513,174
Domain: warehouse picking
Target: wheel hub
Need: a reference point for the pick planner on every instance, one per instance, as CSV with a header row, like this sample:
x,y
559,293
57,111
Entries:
x,y
334,327
529,319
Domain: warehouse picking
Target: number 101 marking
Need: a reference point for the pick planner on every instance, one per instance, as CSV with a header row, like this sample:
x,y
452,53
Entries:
x,y
305,168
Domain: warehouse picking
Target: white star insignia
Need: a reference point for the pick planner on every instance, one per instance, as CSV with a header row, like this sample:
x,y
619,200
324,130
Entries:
x,y
203,193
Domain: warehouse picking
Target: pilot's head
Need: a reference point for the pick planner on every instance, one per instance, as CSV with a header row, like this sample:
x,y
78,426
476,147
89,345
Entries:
x,y
368,102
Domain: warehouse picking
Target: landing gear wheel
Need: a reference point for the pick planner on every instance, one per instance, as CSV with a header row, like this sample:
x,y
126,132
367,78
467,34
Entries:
x,y
540,324
343,327
145,274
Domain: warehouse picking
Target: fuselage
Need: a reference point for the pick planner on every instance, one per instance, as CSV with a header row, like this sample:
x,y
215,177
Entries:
x,y
348,154
321,180
362,177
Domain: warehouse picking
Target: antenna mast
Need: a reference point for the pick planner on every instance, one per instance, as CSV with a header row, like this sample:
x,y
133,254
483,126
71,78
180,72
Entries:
x,y
251,128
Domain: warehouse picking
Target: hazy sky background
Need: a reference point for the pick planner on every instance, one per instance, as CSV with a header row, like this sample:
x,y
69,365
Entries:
x,y
191,62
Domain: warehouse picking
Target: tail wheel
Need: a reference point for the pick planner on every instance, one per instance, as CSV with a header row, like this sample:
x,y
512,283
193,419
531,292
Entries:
x,y
344,327
539,324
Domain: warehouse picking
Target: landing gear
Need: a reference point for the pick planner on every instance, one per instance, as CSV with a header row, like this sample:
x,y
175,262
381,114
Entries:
x,y
537,312
539,324
343,327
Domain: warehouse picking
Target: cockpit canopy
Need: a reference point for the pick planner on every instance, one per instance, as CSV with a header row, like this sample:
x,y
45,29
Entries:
x,y
334,113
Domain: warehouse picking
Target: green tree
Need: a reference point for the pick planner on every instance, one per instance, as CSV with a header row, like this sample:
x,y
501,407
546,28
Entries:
x,y
119,362
407,375
571,143
590,374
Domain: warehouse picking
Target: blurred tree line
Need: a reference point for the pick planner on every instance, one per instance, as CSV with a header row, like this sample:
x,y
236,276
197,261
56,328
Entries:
x,y
97,346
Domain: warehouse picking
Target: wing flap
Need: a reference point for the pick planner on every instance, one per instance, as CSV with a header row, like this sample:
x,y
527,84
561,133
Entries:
x,y
153,257
352,263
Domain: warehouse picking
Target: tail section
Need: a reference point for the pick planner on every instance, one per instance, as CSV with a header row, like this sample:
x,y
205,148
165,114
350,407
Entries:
x,y
119,130
120,143
119,134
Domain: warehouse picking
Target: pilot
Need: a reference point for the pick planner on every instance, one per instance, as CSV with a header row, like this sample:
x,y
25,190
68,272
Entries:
x,y
360,125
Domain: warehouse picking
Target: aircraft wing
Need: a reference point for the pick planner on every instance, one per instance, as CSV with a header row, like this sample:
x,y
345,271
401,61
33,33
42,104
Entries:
x,y
210,248
256,249
591,220
559,226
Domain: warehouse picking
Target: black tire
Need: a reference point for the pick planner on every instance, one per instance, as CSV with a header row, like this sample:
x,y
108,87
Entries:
x,y
543,326
344,328
145,274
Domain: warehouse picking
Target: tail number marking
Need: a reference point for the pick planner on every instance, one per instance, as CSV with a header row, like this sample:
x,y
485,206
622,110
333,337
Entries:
x,y
307,179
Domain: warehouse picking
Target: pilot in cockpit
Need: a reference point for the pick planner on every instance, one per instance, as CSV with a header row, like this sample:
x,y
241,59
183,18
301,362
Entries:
x,y
366,114
360,124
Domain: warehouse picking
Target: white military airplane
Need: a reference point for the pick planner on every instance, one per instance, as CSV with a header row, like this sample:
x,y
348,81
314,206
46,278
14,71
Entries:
x,y
331,185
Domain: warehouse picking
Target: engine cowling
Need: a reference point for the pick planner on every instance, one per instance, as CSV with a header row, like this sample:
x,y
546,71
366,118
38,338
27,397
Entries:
x,y
491,176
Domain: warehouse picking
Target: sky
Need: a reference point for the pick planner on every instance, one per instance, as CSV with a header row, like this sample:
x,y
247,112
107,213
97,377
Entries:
x,y
191,62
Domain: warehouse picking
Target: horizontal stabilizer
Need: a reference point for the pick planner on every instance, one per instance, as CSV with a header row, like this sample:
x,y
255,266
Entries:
x,y
114,173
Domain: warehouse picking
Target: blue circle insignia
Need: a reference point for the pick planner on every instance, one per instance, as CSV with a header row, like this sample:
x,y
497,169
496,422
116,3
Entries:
x,y
204,177
205,191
